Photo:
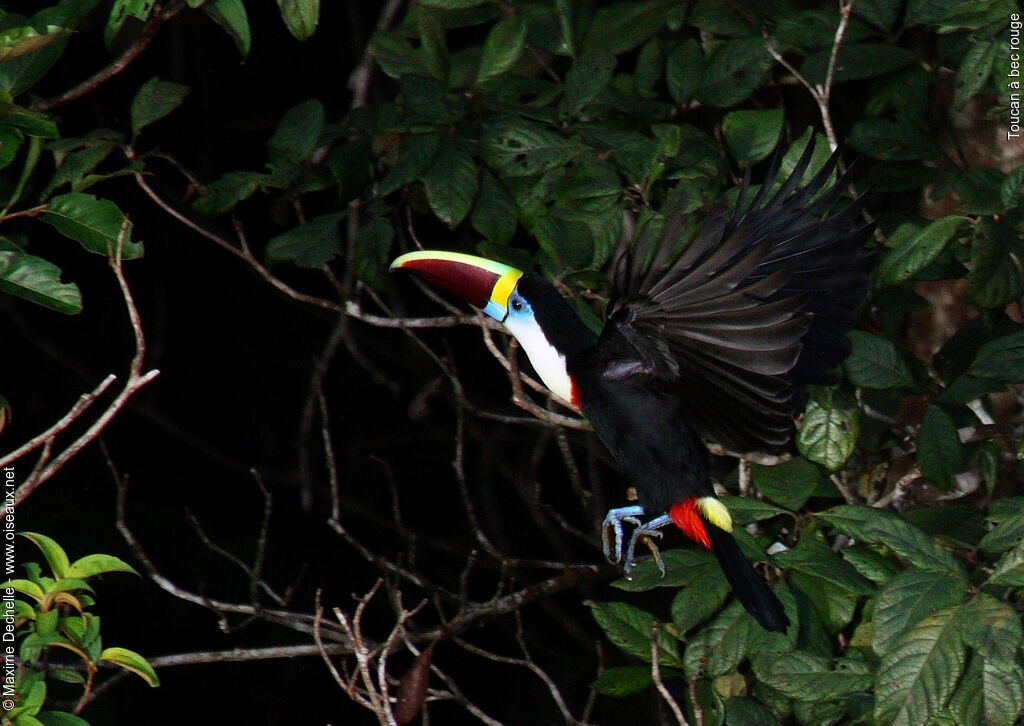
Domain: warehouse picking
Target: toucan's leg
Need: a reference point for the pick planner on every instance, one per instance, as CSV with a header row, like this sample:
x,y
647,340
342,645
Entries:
x,y
646,532
611,530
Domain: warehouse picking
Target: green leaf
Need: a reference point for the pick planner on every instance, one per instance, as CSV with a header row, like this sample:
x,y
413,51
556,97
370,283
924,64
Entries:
x,y
713,17
748,712
790,483
296,136
856,61
38,281
1008,532
746,510
395,56
1012,190
412,164
131,661
452,4
10,144
682,567
31,51
995,279
588,77
502,48
433,45
310,245
121,11
828,435
814,558
622,681
30,123
974,70
917,676
516,148
23,40
703,596
55,556
909,598
57,718
733,69
875,362
622,26
719,646
751,135
880,526
1009,570
978,190
97,564
940,454
223,195
997,363
372,252
914,250
870,564
993,629
451,183
26,587
231,15
300,17
494,214
927,12
880,13
427,100
893,140
649,67
1001,359
683,71
155,100
77,159
630,629
1003,694
808,677
94,223
834,606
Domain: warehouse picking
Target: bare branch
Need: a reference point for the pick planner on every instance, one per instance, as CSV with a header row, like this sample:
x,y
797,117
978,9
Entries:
x,y
47,437
359,80
149,31
659,683
820,93
45,468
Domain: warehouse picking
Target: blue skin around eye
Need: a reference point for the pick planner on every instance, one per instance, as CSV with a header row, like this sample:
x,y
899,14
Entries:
x,y
500,314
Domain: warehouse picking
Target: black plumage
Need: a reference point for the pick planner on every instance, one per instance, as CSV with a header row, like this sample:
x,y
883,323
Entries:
x,y
714,339
717,340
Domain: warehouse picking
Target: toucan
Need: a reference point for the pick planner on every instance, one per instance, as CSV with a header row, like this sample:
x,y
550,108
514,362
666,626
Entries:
x,y
715,339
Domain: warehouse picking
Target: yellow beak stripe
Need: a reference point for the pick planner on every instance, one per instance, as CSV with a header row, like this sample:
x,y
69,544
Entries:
x,y
504,286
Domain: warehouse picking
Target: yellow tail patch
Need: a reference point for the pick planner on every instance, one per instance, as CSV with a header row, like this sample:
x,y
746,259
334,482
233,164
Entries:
x,y
715,512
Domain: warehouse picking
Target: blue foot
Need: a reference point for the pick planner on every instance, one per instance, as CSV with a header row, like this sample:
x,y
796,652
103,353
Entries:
x,y
611,530
612,536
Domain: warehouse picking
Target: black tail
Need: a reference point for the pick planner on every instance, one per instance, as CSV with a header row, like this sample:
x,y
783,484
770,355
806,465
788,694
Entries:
x,y
752,591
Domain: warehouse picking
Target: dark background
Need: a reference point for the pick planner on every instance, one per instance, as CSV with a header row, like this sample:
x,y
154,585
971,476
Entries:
x,y
235,360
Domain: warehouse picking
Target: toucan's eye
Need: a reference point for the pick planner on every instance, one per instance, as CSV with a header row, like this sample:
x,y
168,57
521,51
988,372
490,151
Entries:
x,y
517,305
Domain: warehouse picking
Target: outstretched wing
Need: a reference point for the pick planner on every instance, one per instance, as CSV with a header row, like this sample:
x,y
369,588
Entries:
x,y
757,305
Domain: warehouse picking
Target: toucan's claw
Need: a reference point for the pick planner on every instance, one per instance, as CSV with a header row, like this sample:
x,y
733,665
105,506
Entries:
x,y
612,536
611,530
647,533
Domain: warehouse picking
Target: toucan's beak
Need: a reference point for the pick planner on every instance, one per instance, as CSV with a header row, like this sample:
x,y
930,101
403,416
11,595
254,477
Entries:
x,y
480,282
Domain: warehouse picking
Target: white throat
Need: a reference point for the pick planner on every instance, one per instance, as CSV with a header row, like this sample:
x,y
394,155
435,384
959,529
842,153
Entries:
x,y
548,362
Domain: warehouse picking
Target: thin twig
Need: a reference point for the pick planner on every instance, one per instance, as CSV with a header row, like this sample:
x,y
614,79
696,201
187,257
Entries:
x,y
135,381
83,402
659,683
149,31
